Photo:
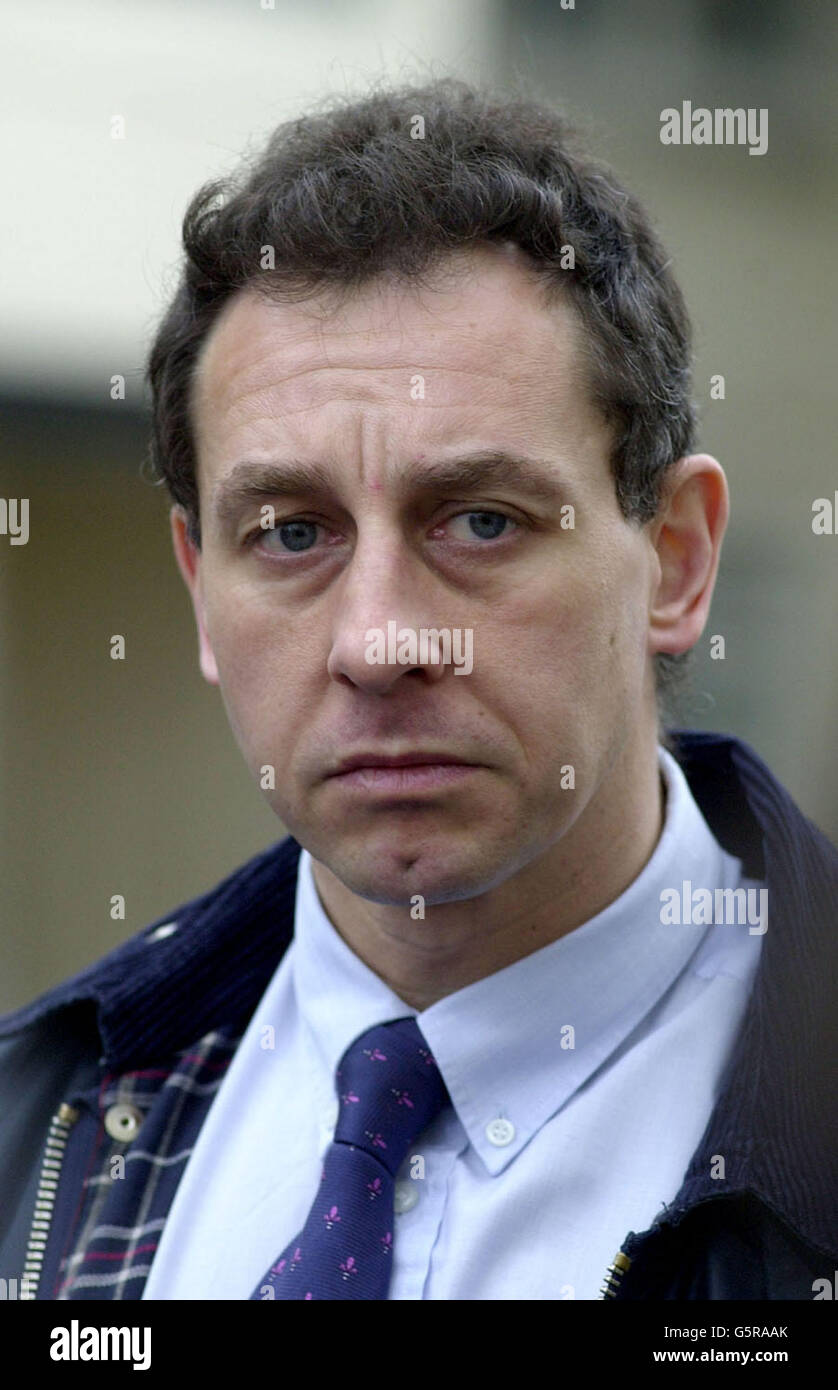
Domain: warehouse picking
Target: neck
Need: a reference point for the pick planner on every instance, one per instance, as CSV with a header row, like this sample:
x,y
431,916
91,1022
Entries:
x,y
591,865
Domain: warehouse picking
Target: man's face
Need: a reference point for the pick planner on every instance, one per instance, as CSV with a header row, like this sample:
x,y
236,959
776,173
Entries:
x,y
378,397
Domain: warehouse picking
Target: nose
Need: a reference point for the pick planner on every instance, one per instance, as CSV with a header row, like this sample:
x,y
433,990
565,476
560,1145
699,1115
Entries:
x,y
384,603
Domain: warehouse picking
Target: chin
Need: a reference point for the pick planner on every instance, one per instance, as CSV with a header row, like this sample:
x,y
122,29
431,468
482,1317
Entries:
x,y
395,874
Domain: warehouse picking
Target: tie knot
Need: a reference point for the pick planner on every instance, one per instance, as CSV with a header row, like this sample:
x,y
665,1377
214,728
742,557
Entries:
x,y
389,1089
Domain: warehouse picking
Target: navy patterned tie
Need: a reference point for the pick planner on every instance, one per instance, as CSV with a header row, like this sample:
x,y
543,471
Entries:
x,y
390,1089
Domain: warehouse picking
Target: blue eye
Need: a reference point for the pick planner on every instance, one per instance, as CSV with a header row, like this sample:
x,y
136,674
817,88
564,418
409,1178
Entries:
x,y
298,535
486,526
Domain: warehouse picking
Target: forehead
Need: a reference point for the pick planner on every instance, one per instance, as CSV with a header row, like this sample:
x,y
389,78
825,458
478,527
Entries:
x,y
477,303
478,331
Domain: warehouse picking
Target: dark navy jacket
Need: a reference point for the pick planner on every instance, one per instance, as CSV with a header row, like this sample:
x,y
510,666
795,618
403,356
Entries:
x,y
106,1080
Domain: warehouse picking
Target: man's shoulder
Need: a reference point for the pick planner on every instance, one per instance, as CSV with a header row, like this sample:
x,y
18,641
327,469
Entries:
x,y
749,810
775,1118
181,960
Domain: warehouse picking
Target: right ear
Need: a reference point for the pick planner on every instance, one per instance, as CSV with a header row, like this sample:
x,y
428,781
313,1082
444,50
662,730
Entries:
x,y
188,556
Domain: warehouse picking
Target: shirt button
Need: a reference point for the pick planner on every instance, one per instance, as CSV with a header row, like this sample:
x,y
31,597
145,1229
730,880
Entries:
x,y
405,1197
500,1132
123,1121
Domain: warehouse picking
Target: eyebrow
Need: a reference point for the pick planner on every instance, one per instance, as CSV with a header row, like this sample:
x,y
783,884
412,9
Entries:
x,y
249,483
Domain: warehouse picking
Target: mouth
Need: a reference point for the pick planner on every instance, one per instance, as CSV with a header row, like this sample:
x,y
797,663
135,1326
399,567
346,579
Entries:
x,y
408,772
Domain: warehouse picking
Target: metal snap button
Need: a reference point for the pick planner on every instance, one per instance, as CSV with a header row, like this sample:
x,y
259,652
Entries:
x,y
160,933
123,1121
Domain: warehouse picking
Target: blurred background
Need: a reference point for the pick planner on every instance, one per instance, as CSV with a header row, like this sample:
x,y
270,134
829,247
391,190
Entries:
x,y
123,776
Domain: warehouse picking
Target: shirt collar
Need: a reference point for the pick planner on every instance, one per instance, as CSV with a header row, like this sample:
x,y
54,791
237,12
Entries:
x,y
580,996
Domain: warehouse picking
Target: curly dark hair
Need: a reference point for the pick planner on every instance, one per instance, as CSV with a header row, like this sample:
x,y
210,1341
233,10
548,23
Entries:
x,y
348,192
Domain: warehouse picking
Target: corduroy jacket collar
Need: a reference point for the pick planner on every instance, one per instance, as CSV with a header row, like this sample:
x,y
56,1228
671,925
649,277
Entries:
x,y
776,1120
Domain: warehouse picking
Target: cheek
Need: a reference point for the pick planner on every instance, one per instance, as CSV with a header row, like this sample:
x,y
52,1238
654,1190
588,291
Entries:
x,y
260,667
573,651
566,630
546,658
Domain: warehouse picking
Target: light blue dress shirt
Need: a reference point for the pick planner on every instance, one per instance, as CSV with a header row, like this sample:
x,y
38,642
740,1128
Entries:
x,y
581,1077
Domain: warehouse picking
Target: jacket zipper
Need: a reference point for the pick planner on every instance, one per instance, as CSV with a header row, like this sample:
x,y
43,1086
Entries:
x,y
60,1125
614,1275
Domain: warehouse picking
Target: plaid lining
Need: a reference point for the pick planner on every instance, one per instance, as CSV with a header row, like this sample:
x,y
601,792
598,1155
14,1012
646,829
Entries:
x,y
118,1225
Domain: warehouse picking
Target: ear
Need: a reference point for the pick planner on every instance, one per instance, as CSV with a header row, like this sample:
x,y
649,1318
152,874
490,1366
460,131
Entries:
x,y
687,535
188,556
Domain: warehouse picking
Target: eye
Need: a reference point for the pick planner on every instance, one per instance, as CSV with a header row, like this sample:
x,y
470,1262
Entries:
x,y
299,535
485,526
295,536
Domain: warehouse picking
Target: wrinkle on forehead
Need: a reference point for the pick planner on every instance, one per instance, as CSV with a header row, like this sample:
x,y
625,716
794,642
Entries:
x,y
473,319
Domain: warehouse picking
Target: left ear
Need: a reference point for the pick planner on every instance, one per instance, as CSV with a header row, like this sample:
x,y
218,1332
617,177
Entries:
x,y
188,557
687,535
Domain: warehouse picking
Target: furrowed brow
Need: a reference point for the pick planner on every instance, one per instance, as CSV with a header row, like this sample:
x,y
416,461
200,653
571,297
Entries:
x,y
470,472
250,484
